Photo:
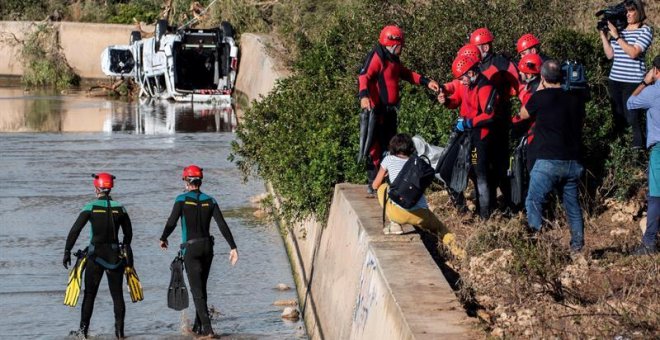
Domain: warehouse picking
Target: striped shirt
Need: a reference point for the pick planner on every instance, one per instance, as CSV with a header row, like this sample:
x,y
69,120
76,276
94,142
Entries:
x,y
625,69
393,165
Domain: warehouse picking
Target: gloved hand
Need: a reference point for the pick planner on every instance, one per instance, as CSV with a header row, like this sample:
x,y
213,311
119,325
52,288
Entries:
x,y
129,255
463,124
66,261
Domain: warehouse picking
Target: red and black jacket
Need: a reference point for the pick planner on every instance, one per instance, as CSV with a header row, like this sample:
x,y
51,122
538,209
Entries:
x,y
379,77
503,75
477,102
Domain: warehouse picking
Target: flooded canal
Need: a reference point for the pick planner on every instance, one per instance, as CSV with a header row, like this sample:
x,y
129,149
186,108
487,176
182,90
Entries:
x,y
51,143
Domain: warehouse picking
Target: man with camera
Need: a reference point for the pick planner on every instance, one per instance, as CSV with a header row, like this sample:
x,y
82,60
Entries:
x,y
647,96
625,39
557,148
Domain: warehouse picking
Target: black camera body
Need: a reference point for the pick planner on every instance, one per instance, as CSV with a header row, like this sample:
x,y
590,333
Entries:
x,y
615,14
574,76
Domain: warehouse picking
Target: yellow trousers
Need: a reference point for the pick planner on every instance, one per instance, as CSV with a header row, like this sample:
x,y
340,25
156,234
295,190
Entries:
x,y
423,218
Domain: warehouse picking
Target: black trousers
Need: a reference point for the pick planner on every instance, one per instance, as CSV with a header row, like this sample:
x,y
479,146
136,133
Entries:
x,y
93,275
198,259
619,93
386,128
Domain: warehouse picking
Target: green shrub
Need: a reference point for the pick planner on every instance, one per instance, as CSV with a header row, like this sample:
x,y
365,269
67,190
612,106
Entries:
x,y
43,62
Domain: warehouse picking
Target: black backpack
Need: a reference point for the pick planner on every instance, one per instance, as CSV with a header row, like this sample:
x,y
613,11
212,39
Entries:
x,y
409,186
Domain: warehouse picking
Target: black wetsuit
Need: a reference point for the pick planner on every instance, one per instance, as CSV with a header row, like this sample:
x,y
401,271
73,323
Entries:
x,y
196,210
103,255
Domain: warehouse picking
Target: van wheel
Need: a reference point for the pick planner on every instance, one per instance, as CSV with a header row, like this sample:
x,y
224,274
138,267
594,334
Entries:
x,y
161,28
227,30
135,36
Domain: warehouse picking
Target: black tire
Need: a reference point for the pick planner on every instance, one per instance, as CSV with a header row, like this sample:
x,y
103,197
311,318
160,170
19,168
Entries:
x,y
161,29
227,30
135,36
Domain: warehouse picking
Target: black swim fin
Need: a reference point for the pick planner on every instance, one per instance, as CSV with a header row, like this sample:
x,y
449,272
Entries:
x,y
518,174
447,159
177,294
367,127
459,175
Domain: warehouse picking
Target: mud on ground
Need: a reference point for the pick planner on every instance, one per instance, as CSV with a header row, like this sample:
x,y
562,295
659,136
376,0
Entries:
x,y
530,286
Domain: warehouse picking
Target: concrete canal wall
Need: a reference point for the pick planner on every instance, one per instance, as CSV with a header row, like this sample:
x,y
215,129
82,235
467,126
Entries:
x,y
356,283
82,44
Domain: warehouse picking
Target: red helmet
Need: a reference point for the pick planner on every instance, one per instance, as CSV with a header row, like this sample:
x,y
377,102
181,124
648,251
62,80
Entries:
x,y
470,51
391,35
530,63
462,64
527,41
192,171
104,180
481,36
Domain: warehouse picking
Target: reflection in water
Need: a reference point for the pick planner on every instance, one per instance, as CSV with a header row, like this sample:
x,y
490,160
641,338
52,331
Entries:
x,y
74,112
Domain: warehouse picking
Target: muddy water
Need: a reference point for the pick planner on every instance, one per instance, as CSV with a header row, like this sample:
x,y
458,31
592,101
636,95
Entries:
x,y
45,181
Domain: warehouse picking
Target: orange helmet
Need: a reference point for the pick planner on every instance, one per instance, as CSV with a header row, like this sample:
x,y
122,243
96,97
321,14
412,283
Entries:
x,y
391,35
481,36
470,51
462,64
104,181
527,41
192,172
530,63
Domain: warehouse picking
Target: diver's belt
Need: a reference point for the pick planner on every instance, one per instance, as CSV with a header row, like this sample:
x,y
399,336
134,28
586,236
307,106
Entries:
x,y
196,240
105,264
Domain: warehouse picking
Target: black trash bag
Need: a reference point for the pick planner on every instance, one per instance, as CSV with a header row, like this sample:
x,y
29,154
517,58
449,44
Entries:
x,y
177,293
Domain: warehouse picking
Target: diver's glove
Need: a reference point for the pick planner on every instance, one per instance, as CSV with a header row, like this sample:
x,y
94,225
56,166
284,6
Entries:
x,y
463,124
66,261
129,255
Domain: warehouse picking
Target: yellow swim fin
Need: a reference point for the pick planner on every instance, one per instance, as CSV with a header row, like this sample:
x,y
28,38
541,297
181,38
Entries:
x,y
75,281
134,286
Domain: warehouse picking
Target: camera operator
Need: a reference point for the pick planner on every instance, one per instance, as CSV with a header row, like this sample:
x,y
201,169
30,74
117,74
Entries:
x,y
557,149
627,48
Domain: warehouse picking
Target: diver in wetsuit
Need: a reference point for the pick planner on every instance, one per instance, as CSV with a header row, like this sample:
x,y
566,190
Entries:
x,y
103,252
196,209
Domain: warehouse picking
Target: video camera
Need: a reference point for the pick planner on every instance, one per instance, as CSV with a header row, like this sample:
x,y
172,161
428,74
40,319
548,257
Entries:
x,y
574,76
615,14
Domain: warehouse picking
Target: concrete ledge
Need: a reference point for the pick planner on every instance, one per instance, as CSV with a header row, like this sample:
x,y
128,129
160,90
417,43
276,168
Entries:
x,y
356,283
82,44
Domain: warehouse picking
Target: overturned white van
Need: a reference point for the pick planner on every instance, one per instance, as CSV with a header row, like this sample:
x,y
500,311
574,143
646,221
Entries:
x,y
185,65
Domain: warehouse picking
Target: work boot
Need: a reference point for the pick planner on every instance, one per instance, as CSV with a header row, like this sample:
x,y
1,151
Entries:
x,y
197,327
119,330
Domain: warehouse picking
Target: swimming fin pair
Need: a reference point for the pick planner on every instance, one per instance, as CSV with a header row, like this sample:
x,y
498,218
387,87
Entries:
x,y
177,293
75,280
134,285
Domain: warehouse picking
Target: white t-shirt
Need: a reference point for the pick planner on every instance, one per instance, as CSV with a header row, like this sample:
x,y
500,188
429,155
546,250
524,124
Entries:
x,y
393,165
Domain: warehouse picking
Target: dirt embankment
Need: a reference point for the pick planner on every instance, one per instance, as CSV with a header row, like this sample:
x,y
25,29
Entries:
x,y
531,287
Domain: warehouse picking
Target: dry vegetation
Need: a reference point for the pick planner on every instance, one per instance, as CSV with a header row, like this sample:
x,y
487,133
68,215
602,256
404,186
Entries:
x,y
531,287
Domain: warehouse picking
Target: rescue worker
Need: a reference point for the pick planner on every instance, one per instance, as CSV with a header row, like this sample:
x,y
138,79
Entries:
x,y
379,90
529,44
451,90
480,99
196,209
103,253
530,81
503,76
